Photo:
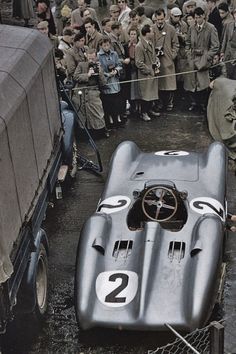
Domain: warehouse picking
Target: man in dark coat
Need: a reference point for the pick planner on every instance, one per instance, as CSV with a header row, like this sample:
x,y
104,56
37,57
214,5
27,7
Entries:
x,y
214,16
228,48
202,44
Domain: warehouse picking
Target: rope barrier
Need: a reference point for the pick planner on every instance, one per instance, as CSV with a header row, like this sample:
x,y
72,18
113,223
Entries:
x,y
154,77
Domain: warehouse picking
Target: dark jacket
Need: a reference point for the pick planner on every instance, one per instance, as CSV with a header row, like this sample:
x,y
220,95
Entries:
x,y
215,19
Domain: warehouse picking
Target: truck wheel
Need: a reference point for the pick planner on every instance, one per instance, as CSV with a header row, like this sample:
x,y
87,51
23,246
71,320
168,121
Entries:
x,y
41,284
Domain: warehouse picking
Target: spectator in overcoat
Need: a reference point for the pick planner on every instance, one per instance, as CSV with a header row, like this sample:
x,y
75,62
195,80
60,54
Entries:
x,y
89,78
66,42
143,19
132,72
118,47
214,17
181,30
111,97
23,9
145,60
62,8
76,54
44,13
148,10
166,45
92,35
124,13
226,17
76,15
228,48
202,44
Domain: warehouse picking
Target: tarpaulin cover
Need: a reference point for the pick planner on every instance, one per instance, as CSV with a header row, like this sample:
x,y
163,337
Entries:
x,y
29,129
221,115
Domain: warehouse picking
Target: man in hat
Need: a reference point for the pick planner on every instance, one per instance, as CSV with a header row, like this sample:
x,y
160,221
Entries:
x,y
114,11
181,30
189,7
43,27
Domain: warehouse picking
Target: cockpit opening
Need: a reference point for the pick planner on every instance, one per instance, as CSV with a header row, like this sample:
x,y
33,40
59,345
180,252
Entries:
x,y
160,203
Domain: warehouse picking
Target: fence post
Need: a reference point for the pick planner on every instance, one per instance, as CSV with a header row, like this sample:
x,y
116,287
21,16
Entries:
x,y
216,338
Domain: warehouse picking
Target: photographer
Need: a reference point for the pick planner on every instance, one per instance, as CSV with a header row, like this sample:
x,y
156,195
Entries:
x,y
111,97
89,77
167,46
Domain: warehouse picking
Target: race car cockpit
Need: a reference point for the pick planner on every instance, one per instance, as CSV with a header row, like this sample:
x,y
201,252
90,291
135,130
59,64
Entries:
x,y
162,203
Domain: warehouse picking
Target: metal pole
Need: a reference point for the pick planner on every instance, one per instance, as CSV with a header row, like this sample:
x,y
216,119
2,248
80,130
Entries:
x,y
182,338
216,338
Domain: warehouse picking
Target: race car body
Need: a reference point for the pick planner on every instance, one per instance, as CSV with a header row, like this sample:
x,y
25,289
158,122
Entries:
x,y
151,253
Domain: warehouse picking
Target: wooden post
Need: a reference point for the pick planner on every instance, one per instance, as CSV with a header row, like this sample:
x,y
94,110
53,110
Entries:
x,y
216,338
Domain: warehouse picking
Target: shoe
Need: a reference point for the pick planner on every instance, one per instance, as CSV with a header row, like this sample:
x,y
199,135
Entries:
x,y
145,117
169,108
154,113
127,105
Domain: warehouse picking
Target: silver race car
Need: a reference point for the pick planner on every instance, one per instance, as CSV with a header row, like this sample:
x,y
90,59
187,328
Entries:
x,y
151,254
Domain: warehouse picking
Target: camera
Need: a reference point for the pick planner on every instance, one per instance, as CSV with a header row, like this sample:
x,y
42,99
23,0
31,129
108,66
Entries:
x,y
156,67
95,68
159,51
111,67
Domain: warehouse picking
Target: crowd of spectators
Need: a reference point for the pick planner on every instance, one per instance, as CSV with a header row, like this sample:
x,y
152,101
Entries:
x,y
137,59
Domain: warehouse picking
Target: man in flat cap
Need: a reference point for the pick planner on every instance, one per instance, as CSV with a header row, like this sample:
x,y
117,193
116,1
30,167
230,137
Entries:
x,y
43,27
181,30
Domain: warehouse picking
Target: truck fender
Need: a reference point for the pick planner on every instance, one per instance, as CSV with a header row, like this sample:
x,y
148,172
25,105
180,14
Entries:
x,y
26,296
68,120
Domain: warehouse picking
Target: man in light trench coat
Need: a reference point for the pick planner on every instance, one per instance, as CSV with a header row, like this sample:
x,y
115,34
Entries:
x,y
145,60
166,45
202,44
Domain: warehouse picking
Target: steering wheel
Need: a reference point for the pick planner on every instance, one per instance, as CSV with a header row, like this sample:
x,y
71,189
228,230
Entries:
x,y
159,204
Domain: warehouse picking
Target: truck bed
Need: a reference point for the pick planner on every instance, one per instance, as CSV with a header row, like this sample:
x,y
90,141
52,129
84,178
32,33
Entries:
x,y
30,130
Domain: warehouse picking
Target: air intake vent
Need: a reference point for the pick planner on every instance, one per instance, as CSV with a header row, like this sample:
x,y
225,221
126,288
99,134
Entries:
x,y
176,250
122,249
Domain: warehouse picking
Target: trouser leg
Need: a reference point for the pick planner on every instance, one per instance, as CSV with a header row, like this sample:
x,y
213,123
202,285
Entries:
x,y
145,106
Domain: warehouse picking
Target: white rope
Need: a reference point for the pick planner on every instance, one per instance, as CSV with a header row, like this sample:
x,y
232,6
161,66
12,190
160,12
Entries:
x,y
152,78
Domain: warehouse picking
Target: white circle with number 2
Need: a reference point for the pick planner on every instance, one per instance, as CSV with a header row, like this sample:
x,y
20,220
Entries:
x,y
116,288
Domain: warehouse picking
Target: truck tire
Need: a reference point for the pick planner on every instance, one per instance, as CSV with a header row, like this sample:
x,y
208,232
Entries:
x,y
41,284
33,293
